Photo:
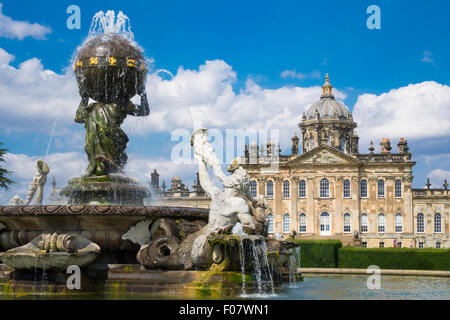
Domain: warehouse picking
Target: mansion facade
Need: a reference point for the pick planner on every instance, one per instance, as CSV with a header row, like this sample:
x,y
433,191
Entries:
x,y
331,190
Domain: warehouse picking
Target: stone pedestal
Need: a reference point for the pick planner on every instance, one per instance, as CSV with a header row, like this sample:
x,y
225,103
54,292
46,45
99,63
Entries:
x,y
107,189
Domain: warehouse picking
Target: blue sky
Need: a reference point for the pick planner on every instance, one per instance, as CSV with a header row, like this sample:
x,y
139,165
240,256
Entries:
x,y
250,44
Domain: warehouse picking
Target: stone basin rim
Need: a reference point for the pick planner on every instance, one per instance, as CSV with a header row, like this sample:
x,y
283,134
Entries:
x,y
103,210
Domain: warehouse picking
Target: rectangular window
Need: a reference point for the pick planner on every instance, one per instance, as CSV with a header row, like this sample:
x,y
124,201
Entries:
x,y
381,244
347,189
399,244
364,223
364,244
302,189
420,223
380,189
363,189
398,189
420,245
438,245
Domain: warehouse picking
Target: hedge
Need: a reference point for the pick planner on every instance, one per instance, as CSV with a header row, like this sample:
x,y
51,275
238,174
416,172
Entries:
x,y
318,253
394,258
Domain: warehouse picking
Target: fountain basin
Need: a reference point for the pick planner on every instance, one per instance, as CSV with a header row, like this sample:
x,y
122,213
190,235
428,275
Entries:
x,y
103,225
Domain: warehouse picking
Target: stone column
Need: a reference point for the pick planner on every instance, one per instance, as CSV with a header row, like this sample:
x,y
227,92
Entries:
x,y
338,228
294,203
277,212
311,214
261,185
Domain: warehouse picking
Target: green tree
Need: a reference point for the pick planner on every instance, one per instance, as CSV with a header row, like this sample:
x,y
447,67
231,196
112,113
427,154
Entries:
x,y
4,181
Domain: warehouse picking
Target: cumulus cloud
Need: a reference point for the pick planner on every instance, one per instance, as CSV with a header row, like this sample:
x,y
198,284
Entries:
x,y
416,111
33,97
13,29
300,75
437,177
206,96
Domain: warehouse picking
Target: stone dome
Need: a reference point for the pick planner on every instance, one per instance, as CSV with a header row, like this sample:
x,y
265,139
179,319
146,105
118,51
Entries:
x,y
327,106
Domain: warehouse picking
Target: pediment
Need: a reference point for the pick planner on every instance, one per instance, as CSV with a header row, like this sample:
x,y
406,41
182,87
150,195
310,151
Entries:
x,y
324,155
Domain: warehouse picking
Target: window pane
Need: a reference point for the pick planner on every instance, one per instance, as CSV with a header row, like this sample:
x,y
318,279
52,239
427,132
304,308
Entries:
x,y
364,223
398,223
437,223
324,188
286,189
302,222
286,223
381,223
269,190
346,189
270,218
363,189
380,189
398,189
420,223
347,222
253,190
302,189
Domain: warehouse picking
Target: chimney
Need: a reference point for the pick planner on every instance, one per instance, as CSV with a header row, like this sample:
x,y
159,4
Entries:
x,y
294,145
403,146
385,145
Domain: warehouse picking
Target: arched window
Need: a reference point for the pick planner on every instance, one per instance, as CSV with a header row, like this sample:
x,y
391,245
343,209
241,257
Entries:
x,y
347,189
324,223
302,189
343,143
437,223
302,225
311,144
347,222
253,188
381,223
269,189
398,223
286,223
364,223
324,188
398,189
363,188
286,189
420,223
270,219
380,188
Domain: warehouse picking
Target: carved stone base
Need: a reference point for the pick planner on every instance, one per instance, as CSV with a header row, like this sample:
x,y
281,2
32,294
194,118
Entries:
x,y
108,189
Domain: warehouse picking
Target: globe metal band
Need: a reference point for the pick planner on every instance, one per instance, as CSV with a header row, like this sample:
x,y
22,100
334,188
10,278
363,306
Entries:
x,y
103,61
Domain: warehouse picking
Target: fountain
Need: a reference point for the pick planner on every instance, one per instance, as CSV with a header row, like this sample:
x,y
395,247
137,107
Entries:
x,y
105,228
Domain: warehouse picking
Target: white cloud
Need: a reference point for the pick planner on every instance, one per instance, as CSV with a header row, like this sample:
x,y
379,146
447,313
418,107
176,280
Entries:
x,y
437,177
13,29
416,111
32,98
427,57
300,75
